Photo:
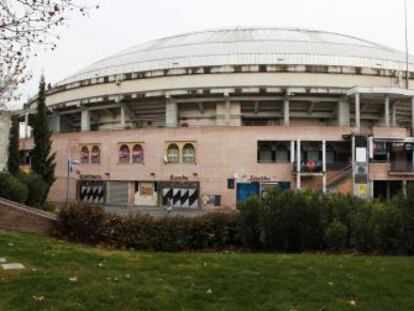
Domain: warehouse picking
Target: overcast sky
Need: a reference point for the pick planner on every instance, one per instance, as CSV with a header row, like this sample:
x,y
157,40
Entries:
x,y
120,24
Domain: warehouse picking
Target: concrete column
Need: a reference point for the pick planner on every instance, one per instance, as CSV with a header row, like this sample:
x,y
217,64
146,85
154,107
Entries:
x,y
412,115
394,114
292,151
57,128
227,110
171,113
358,112
298,165
26,125
85,120
286,112
387,111
343,111
404,188
123,115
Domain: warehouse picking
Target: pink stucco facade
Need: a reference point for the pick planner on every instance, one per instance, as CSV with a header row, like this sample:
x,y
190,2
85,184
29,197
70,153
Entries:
x,y
221,153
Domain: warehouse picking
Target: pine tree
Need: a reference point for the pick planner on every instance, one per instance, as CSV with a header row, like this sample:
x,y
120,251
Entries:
x,y
43,163
13,160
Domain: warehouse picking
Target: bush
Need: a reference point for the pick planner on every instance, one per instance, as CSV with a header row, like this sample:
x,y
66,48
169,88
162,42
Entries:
x,y
12,188
336,235
36,186
249,225
89,224
291,221
82,223
405,207
278,221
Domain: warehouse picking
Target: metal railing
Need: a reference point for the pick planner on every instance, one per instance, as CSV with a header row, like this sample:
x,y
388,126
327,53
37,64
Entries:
x,y
402,166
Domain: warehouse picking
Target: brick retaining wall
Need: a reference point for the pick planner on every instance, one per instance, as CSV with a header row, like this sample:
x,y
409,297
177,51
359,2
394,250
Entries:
x,y
18,217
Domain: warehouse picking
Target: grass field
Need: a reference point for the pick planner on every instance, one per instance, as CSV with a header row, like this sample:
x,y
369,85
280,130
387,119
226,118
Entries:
x,y
64,276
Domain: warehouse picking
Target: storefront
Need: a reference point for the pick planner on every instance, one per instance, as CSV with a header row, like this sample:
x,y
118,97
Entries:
x,y
257,185
179,194
91,189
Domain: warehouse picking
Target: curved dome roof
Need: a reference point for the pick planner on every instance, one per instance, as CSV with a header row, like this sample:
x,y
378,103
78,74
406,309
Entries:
x,y
247,46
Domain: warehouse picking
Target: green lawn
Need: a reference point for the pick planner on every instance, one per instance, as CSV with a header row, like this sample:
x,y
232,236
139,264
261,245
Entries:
x,y
128,280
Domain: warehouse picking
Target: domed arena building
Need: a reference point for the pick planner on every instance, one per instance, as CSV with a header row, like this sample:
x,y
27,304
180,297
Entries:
x,y
203,120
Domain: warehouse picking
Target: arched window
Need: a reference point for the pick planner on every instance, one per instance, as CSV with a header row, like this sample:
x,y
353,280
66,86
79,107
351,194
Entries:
x,y
173,154
188,153
84,155
95,155
137,154
124,154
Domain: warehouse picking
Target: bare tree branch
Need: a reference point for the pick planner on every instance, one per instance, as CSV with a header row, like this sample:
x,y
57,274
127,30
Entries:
x,y
24,26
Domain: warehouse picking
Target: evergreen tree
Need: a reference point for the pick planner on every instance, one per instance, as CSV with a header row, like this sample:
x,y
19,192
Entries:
x,y
43,163
13,160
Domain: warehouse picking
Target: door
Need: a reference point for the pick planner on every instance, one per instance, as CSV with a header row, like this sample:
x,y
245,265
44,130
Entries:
x,y
245,190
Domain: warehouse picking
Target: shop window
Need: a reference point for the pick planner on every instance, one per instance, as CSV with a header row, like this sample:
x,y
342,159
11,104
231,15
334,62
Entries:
x,y
137,154
188,153
124,154
95,155
173,153
85,154
231,182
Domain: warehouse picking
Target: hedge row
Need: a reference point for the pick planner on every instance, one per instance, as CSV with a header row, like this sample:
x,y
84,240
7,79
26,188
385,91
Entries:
x,y
280,221
311,220
89,224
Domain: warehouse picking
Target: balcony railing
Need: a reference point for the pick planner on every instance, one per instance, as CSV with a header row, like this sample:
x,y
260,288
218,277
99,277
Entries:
x,y
309,166
402,167
315,166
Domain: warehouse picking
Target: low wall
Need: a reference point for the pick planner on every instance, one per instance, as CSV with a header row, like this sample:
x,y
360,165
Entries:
x,y
18,217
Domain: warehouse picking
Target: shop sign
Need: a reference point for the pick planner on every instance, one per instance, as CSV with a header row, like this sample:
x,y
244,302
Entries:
x,y
408,147
178,178
259,178
90,177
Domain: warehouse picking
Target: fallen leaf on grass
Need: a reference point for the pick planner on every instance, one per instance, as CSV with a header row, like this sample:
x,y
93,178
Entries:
x,y
73,279
209,291
38,298
352,302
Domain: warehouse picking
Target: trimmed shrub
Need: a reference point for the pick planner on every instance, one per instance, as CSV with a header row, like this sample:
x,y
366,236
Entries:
x,y
291,221
36,186
89,224
249,225
405,205
12,188
336,235
82,223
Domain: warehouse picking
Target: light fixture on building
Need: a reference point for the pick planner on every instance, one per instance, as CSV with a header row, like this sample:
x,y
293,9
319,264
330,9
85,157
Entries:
x,y
195,174
152,174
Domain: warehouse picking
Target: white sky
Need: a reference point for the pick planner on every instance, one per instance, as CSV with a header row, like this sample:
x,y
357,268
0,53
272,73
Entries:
x,y
120,24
